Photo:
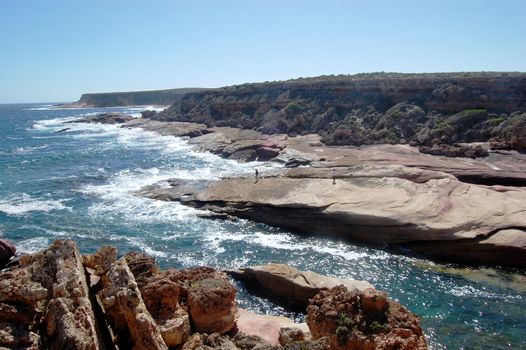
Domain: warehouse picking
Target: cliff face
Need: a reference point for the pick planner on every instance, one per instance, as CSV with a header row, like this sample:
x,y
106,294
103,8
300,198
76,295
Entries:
x,y
364,108
155,97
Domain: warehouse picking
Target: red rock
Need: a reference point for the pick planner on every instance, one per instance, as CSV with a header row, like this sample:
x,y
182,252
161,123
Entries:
x,y
212,306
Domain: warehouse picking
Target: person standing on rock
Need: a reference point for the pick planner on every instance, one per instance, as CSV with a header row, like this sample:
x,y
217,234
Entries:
x,y
257,176
333,176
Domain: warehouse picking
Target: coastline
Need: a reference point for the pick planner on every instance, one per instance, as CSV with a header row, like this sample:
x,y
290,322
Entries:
x,y
450,219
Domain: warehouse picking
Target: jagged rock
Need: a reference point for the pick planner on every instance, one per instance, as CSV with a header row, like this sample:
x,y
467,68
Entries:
x,y
341,316
290,284
161,297
317,344
288,335
251,342
100,262
141,265
194,341
70,320
212,306
7,251
125,311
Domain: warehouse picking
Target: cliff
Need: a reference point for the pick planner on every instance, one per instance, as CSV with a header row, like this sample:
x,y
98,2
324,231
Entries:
x,y
422,109
154,97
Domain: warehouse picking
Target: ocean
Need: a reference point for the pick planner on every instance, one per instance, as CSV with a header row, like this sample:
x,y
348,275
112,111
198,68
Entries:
x,y
79,184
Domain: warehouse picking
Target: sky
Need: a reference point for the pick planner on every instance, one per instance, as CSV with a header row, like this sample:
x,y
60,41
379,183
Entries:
x,y
55,50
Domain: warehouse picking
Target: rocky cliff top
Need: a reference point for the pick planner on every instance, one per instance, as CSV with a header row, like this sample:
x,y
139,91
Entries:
x,y
422,109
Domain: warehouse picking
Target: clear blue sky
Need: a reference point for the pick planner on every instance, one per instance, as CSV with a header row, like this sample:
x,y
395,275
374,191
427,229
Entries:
x,y
55,50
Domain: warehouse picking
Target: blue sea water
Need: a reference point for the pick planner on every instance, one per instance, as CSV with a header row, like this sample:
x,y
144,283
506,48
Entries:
x,y
78,184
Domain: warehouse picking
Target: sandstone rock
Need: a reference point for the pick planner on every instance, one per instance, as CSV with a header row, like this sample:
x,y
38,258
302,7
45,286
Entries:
x,y
161,297
70,320
212,307
101,261
125,311
288,335
337,314
292,285
377,204
7,251
194,341
266,327
141,265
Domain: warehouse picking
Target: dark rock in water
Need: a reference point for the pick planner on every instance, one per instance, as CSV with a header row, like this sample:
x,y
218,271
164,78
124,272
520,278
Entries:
x,y
7,251
266,153
148,114
296,162
105,118
64,130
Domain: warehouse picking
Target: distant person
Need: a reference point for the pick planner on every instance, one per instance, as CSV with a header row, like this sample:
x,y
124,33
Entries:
x,y
334,176
257,176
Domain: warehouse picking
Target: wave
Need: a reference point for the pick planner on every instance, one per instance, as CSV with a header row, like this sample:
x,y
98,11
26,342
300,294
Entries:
x,y
21,204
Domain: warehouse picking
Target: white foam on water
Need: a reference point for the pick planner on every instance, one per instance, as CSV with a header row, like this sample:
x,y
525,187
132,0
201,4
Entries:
x,y
117,197
32,245
21,204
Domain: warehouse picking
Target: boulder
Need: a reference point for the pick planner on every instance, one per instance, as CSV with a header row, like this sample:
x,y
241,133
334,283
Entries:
x,y
268,327
212,305
266,153
342,316
7,251
291,285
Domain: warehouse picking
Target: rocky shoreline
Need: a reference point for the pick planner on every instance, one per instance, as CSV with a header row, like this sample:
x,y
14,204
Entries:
x,y
58,298
448,209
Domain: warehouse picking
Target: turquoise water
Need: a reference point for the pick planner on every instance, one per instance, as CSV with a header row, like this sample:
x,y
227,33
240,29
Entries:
x,y
77,184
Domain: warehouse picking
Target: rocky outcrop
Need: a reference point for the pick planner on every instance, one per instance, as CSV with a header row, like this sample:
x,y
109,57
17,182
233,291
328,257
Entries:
x,y
47,301
424,109
104,118
291,285
47,291
363,320
123,307
393,205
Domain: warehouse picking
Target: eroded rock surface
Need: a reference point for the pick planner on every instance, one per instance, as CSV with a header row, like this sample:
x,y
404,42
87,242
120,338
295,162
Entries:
x,y
363,320
377,204
125,311
211,303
